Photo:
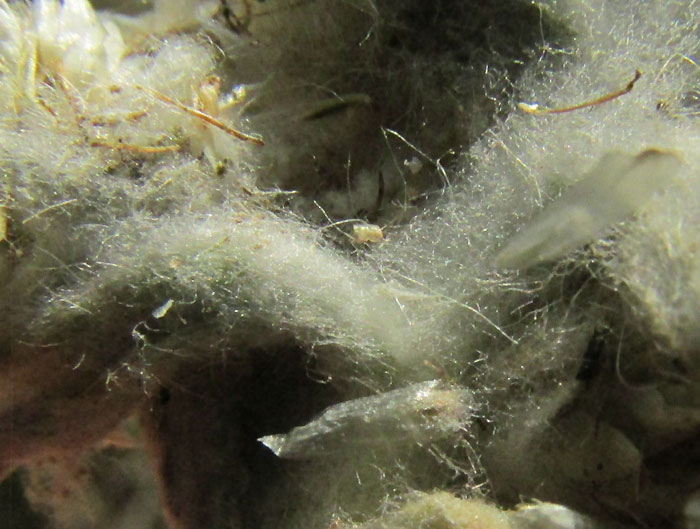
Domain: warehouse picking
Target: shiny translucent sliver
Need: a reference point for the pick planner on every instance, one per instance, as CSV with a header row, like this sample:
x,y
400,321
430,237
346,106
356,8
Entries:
x,y
616,188
422,412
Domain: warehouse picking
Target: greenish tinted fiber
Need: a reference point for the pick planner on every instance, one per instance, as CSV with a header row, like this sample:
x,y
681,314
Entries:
x,y
430,304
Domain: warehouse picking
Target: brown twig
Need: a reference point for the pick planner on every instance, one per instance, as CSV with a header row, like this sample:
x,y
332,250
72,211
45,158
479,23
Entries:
x,y
204,117
535,109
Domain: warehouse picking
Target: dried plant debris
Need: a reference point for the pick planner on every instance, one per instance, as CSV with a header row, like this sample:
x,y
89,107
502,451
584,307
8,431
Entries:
x,y
417,413
250,229
534,108
444,511
615,188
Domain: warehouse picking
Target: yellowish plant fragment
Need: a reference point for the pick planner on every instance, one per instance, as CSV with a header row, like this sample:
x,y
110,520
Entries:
x,y
367,233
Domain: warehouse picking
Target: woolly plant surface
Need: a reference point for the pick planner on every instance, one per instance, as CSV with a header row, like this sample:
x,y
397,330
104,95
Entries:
x,y
349,263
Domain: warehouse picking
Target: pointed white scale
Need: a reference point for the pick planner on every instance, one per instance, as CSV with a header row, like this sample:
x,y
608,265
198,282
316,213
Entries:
x,y
618,186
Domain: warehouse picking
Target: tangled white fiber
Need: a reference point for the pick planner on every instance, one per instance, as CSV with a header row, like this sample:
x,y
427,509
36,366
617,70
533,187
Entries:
x,y
372,264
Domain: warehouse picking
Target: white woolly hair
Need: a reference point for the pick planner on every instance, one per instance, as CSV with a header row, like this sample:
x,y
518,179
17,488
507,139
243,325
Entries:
x,y
330,263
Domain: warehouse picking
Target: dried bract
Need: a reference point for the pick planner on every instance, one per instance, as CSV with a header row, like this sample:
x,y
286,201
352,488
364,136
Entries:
x,y
617,187
422,412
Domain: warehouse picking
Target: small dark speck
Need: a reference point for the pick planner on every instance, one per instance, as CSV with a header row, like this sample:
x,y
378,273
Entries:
x,y
164,396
